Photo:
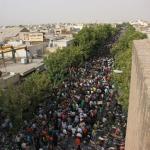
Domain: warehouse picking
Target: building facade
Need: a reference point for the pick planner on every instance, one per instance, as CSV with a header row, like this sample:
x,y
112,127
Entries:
x,y
31,37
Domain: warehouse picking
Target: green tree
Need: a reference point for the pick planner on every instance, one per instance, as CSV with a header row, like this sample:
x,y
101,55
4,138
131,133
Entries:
x,y
122,52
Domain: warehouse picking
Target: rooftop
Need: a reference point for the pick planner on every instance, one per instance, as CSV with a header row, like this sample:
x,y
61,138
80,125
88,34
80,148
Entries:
x,y
10,32
23,69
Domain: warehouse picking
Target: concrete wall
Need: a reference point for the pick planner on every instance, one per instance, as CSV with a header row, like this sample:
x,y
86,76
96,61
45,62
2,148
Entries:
x,y
9,79
62,43
138,125
38,49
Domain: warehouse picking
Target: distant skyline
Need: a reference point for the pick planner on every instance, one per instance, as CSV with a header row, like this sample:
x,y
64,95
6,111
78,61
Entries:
x,y
16,12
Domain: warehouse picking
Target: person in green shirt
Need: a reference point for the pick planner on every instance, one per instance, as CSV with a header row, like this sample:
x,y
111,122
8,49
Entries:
x,y
82,103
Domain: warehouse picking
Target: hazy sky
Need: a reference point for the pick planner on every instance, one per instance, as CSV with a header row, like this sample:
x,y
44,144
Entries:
x,y
48,11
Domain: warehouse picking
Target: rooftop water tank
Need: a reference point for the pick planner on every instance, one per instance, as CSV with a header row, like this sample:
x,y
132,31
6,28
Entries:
x,y
24,60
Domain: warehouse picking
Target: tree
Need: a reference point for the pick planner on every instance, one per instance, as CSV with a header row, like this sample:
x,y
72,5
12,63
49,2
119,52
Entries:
x,y
122,51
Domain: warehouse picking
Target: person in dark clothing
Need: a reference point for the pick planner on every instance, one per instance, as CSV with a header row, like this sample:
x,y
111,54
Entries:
x,y
55,140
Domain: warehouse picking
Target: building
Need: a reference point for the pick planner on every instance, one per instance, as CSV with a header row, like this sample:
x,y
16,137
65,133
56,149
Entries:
x,y
11,33
139,22
17,63
60,43
15,43
33,51
1,43
31,36
12,73
78,26
147,32
57,31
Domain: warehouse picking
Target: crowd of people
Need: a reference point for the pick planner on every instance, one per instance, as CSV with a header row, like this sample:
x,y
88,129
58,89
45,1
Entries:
x,y
82,113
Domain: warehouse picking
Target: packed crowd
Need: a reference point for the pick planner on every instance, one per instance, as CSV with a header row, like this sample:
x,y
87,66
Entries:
x,y
82,113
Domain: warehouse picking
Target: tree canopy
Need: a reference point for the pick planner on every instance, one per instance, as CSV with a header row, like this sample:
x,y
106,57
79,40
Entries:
x,y
122,52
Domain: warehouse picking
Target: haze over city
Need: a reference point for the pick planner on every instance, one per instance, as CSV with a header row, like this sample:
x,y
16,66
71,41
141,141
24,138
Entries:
x,y
50,11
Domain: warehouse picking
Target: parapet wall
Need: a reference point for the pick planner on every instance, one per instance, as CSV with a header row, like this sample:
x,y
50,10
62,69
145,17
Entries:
x,y
138,125
9,79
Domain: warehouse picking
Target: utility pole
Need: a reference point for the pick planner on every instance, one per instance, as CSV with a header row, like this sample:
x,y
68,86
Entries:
x,y
26,49
13,54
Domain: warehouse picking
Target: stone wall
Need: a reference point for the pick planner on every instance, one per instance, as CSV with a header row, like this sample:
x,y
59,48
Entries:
x,y
138,125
